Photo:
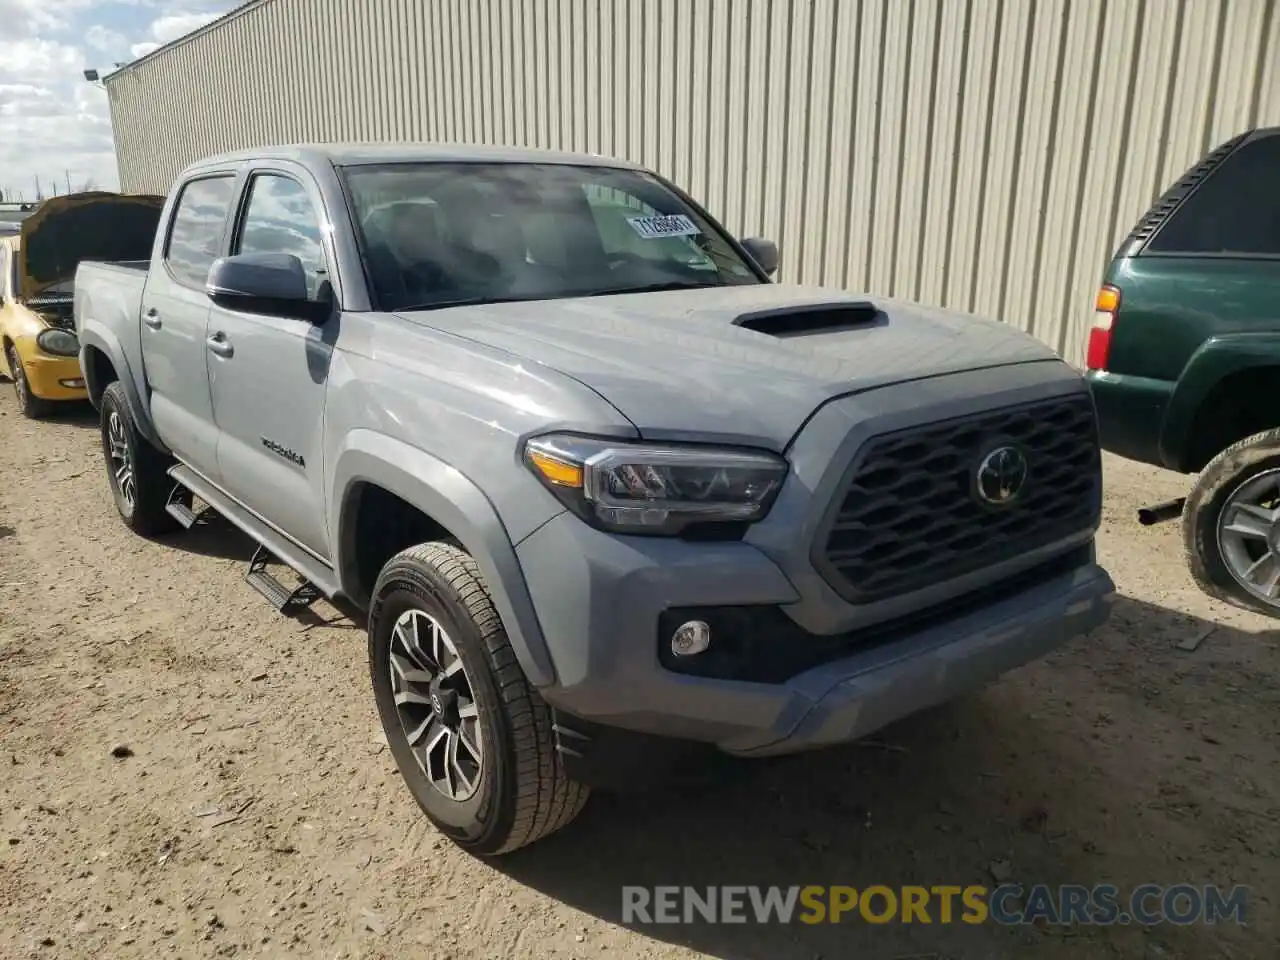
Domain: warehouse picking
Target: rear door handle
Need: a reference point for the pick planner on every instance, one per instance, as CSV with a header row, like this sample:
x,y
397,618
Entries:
x,y
220,346
152,319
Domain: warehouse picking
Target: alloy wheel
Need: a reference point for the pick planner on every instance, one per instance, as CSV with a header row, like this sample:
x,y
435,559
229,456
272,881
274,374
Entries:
x,y
1249,536
19,379
435,705
121,461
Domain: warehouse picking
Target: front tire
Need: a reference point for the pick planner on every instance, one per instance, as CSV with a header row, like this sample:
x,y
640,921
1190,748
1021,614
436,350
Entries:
x,y
137,472
471,738
1231,525
31,406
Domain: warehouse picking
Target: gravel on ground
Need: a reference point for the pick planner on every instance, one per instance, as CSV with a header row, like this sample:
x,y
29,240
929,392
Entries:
x,y
189,774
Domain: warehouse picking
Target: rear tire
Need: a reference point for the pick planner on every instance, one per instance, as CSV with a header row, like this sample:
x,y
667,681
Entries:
x,y
136,471
456,685
31,406
1231,525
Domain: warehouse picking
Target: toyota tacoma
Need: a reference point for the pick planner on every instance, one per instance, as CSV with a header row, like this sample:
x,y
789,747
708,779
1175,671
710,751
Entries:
x,y
602,486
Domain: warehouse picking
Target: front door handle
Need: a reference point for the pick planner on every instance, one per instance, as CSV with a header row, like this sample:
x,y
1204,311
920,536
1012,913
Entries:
x,y
152,319
220,346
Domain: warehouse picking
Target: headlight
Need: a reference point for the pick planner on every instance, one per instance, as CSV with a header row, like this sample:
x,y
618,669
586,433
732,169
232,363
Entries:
x,y
655,489
60,343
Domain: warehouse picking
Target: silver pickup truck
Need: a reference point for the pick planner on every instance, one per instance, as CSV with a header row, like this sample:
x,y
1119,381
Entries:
x,y
608,494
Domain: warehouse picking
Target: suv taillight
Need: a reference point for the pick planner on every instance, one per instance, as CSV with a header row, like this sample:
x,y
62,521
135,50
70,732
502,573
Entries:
x,y
1105,306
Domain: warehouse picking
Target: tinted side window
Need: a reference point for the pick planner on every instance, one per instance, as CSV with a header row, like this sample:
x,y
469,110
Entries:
x,y
197,228
1236,210
280,219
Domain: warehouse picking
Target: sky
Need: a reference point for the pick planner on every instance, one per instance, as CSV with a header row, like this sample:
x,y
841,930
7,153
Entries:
x,y
54,124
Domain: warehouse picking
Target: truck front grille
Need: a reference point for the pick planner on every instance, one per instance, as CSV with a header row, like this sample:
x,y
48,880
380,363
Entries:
x,y
912,515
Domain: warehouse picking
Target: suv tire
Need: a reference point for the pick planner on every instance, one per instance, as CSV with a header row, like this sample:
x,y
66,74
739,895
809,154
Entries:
x,y
473,741
1225,532
31,406
137,472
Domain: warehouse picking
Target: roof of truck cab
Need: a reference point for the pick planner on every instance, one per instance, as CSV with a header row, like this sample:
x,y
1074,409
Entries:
x,y
355,154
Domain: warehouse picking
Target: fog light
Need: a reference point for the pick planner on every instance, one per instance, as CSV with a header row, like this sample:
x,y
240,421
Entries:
x,y
691,638
72,384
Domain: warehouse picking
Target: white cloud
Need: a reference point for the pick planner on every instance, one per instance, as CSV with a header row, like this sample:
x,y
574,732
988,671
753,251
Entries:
x,y
168,28
37,62
31,16
55,129
55,125
104,38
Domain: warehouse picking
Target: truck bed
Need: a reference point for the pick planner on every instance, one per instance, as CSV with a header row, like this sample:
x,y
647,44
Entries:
x,y
109,295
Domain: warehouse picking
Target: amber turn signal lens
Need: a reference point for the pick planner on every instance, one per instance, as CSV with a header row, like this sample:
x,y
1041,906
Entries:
x,y
557,471
1108,300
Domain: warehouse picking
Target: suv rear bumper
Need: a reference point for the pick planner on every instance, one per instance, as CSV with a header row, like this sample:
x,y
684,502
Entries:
x,y
1130,414
599,598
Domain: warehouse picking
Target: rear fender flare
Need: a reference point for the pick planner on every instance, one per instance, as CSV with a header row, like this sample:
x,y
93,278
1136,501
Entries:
x,y
1217,358
96,336
457,504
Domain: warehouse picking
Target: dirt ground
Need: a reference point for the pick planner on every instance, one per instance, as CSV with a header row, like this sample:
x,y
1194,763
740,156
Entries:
x,y
260,812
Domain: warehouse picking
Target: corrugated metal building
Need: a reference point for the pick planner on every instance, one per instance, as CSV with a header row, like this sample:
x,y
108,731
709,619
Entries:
x,y
981,154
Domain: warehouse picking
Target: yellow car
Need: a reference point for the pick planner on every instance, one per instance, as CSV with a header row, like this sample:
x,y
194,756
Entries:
x,y
37,269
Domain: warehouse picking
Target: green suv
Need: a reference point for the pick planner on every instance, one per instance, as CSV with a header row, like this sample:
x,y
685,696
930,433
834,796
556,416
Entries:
x,y
1184,361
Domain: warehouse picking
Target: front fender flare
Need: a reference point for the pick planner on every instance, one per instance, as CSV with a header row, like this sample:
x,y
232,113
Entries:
x,y
457,504
98,337
1217,358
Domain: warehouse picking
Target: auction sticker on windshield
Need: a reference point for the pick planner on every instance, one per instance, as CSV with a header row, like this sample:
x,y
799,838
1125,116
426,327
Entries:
x,y
675,225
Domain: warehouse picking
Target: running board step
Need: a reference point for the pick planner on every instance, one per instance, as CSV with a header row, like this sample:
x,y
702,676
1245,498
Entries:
x,y
183,514
316,575
179,507
278,595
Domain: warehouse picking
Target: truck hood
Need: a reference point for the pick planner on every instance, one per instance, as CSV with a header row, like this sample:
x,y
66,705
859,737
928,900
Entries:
x,y
749,363
83,226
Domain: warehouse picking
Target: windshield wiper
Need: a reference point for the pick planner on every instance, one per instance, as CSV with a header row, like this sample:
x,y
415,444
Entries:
x,y
466,302
650,288
562,295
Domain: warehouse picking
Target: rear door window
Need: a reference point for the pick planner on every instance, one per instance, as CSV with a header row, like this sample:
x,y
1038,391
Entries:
x,y
1236,211
195,236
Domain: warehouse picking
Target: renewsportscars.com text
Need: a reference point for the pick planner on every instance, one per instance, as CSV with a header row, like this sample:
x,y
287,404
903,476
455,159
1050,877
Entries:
x,y
1065,905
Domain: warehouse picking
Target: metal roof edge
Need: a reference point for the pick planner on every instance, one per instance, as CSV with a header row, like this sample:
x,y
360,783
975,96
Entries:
x,y
243,8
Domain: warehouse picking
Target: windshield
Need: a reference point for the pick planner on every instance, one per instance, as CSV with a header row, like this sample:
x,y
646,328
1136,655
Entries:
x,y
436,234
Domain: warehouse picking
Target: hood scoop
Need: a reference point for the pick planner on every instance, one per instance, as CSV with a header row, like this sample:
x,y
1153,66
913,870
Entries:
x,y
812,318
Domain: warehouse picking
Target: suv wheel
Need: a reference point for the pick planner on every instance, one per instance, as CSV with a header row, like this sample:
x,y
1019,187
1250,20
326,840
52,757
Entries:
x,y
30,405
136,471
1231,524
472,740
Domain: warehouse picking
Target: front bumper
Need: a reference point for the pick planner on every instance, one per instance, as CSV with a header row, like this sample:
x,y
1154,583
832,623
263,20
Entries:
x,y
50,377
599,599
868,691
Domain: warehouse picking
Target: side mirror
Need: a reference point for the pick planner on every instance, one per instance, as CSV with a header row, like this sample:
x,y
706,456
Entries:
x,y
763,252
267,283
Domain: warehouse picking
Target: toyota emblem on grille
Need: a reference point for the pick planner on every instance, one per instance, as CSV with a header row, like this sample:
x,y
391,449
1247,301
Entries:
x,y
1001,475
